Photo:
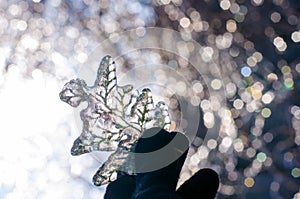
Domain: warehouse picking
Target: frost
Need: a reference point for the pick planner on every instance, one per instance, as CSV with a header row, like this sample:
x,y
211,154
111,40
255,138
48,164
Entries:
x,y
113,120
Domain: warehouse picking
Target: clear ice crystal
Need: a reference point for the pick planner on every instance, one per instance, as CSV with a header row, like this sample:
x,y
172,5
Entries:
x,y
113,120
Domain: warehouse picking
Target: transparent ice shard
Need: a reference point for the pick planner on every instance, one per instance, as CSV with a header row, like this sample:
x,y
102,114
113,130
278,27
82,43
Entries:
x,y
114,118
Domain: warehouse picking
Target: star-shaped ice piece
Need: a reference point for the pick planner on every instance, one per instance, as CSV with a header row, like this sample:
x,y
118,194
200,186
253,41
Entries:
x,y
114,118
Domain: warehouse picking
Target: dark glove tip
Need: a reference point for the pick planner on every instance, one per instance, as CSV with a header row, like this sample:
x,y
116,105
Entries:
x,y
122,188
204,183
156,138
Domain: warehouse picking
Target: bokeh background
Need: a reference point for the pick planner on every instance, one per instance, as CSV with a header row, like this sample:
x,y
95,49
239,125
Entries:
x,y
257,45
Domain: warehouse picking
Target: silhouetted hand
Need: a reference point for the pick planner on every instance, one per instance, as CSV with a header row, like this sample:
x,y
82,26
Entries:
x,y
161,183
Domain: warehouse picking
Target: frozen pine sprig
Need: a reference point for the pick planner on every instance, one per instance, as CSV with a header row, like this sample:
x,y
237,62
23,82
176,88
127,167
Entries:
x,y
113,120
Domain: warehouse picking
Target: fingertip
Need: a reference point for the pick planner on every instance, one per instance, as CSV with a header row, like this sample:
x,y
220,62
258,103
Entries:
x,y
156,138
159,156
122,188
210,175
204,183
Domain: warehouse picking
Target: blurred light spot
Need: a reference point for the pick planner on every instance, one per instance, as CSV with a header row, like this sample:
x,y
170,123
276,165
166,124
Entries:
x,y
269,31
266,112
224,41
257,2
238,145
195,100
22,25
249,182
58,58
296,172
211,144
289,83
225,4
294,109
280,44
251,61
216,84
275,17
197,87
181,87
230,166
29,43
268,162
14,10
234,8
297,139
165,2
286,69
296,36
288,156
177,2
226,142
239,17
55,3
256,131
243,9
297,196
185,22
250,152
234,52
277,85
173,126
208,119
272,77
195,16
256,143
134,7
251,107
232,176
261,157
173,103
274,186
238,104
197,26
256,90
140,31
231,25
72,32
231,89
205,105
268,137
227,190
246,97
259,122
297,114
202,152
207,54
298,68
246,71
258,56
268,97
82,57
256,165
195,159
293,20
